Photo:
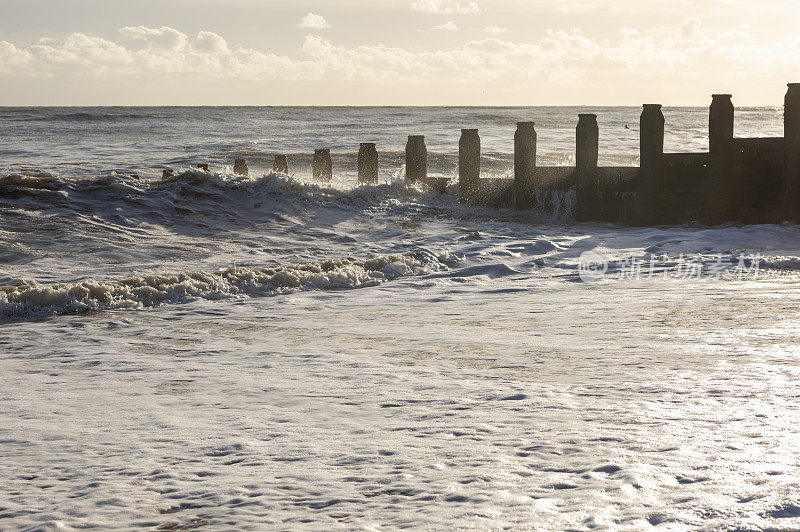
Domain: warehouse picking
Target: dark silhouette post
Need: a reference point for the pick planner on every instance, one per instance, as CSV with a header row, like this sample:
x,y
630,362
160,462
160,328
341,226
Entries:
x,y
651,153
416,158
719,198
240,167
203,166
524,160
280,165
791,125
469,165
167,173
587,146
587,141
368,163
720,126
322,166
651,136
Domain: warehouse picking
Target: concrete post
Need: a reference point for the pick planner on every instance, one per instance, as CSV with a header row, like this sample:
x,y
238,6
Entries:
x,y
416,158
203,166
322,166
524,162
469,165
651,136
587,141
280,165
240,167
791,125
368,163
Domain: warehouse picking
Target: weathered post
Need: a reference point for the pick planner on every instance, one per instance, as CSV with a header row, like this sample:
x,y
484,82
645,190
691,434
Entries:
x,y
240,167
651,152
587,147
651,136
280,165
587,141
524,163
720,125
368,163
469,165
322,166
203,166
167,173
416,158
791,125
719,196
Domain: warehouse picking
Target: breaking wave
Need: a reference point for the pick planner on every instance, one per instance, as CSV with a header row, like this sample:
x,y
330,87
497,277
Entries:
x,y
25,300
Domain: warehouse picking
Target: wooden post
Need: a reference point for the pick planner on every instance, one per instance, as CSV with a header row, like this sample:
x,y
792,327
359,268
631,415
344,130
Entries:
x,y
167,173
203,166
791,125
240,167
280,165
651,136
650,194
720,125
587,141
587,146
368,163
469,165
416,158
524,162
322,166
720,196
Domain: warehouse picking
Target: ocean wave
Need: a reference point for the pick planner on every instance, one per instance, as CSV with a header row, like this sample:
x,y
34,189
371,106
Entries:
x,y
80,117
24,300
207,185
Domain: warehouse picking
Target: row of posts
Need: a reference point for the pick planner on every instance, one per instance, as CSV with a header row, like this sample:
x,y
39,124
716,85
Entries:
x,y
651,139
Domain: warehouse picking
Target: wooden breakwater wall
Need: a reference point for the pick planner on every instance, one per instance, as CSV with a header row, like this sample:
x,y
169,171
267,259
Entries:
x,y
752,180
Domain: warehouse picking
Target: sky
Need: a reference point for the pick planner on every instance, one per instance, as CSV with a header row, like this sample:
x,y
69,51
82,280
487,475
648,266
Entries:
x,y
397,52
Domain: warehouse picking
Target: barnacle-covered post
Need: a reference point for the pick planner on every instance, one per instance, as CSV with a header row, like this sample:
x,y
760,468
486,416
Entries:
x,y
368,163
280,165
322,166
240,167
416,158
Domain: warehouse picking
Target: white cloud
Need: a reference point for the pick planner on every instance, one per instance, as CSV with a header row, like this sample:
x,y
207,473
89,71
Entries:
x,y
312,21
447,26
163,38
207,41
495,30
446,7
560,60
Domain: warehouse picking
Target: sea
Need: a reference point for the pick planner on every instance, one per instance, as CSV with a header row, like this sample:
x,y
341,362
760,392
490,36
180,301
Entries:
x,y
214,351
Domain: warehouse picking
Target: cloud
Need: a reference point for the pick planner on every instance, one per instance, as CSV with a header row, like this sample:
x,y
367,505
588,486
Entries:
x,y
446,7
447,26
495,30
560,60
312,21
163,38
